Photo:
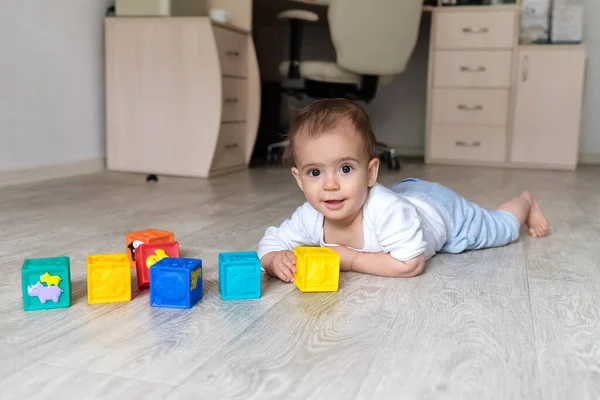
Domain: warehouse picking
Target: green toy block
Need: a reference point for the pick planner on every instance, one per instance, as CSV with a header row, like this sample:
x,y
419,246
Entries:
x,y
46,283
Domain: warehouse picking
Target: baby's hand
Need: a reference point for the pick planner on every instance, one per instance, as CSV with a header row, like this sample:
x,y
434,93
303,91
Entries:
x,y
282,265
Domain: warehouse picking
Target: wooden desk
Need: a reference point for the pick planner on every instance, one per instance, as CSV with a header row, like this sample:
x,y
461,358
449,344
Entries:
x,y
182,94
323,3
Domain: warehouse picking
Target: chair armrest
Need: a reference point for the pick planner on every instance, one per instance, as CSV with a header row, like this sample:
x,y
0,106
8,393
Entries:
x,y
302,15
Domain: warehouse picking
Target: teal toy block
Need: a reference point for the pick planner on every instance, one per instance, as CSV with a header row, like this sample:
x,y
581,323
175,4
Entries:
x,y
46,283
239,275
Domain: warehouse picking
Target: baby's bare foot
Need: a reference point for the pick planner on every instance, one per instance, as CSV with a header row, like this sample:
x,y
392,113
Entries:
x,y
536,222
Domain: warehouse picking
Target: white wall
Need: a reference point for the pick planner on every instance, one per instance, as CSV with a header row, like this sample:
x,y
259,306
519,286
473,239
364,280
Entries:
x,y
51,82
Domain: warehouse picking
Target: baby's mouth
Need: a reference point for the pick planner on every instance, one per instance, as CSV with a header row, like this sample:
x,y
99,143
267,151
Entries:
x,y
333,204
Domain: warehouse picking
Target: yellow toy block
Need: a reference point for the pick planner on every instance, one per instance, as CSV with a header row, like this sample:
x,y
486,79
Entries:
x,y
317,269
109,278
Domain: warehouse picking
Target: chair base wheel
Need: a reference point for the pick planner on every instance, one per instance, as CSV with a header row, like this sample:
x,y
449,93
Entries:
x,y
394,163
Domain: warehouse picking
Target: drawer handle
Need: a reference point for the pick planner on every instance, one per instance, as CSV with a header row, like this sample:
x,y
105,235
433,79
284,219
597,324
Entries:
x,y
467,108
233,53
231,146
525,68
234,100
475,29
465,68
465,144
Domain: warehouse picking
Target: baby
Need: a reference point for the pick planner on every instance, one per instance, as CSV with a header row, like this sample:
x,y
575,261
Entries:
x,y
377,230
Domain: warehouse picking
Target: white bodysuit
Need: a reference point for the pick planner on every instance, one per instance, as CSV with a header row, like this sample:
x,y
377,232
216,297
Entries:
x,y
400,225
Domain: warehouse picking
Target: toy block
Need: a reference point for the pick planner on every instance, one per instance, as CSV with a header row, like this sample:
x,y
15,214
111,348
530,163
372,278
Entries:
x,y
46,283
317,269
134,239
109,278
239,275
148,254
176,283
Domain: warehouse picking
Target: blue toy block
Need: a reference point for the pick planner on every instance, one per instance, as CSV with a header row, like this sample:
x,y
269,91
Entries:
x,y
176,282
46,283
239,275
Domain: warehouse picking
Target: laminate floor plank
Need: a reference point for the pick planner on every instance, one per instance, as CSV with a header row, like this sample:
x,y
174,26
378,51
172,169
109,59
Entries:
x,y
309,346
567,327
564,287
465,332
40,380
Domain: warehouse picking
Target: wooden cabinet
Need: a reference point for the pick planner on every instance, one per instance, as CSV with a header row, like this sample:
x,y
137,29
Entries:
x,y
494,102
475,28
470,69
547,106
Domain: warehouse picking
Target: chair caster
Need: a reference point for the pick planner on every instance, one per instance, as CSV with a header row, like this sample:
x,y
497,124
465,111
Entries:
x,y
391,160
394,163
152,178
272,157
275,151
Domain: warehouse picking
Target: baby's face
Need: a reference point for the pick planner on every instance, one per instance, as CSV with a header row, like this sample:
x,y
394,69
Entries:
x,y
334,172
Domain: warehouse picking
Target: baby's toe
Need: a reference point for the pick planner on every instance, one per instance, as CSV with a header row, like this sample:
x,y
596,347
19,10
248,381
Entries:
x,y
531,231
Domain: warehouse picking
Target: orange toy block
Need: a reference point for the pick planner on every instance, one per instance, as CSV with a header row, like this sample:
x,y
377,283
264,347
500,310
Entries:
x,y
147,236
109,278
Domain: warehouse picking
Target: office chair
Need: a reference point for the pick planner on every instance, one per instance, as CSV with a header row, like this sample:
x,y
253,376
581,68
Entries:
x,y
373,41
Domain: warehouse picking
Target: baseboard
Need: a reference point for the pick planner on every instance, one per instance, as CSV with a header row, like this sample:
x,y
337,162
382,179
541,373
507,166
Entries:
x,y
46,172
589,158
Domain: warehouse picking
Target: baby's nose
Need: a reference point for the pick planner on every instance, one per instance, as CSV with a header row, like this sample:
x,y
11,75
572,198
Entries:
x,y
331,184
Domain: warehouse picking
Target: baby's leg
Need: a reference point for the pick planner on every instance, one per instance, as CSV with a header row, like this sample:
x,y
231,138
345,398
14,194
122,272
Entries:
x,y
527,210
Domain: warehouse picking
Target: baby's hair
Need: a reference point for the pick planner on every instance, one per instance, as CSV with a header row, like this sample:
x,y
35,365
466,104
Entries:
x,y
323,116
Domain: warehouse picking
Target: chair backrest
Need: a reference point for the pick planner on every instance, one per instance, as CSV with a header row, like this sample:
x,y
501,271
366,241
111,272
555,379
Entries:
x,y
374,37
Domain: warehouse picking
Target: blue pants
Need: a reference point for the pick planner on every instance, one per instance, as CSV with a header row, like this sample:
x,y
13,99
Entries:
x,y
468,226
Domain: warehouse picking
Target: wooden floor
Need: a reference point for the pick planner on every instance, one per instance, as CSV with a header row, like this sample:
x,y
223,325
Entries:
x,y
520,322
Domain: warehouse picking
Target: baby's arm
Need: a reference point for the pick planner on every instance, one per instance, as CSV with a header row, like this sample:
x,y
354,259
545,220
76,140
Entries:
x,y
383,264
398,229
380,264
275,249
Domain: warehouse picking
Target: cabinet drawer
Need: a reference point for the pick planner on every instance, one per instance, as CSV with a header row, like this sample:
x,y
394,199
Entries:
x,y
469,143
475,30
234,100
233,51
472,69
470,106
230,151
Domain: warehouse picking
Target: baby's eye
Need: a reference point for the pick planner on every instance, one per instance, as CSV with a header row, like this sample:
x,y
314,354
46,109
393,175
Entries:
x,y
346,169
314,172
